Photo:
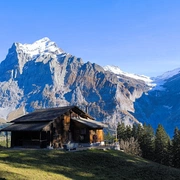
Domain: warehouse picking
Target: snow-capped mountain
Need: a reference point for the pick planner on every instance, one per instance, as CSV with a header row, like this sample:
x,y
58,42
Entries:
x,y
42,46
168,74
42,75
160,80
161,104
116,70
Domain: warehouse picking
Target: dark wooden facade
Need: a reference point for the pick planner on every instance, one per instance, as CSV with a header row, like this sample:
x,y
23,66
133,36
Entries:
x,y
45,128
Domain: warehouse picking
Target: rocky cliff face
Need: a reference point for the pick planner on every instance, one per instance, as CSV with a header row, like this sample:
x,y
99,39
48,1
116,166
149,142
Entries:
x,y
41,75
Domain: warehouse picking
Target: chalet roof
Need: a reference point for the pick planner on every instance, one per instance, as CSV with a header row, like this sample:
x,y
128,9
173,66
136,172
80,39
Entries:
x,y
26,126
90,123
47,115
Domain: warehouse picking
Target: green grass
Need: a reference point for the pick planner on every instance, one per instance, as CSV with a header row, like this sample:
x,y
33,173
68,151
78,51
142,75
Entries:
x,y
90,164
3,142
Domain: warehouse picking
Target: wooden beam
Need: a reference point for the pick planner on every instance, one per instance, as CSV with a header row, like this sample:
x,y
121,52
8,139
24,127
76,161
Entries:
x,y
6,139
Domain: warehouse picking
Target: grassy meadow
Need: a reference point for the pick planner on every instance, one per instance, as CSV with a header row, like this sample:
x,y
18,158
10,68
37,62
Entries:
x,y
88,164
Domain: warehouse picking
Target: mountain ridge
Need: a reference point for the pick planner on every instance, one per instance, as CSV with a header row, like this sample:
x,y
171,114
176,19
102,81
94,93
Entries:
x,y
62,79
41,75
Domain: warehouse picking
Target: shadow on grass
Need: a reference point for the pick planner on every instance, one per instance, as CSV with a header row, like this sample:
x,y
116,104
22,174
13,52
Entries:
x,y
91,164
10,175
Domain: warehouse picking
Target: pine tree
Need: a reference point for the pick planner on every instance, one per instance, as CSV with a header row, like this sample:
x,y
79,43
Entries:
x,y
169,154
121,131
147,142
134,131
128,132
161,145
139,133
176,148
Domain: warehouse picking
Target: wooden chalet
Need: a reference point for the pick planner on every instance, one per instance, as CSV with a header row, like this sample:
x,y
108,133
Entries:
x,y
54,127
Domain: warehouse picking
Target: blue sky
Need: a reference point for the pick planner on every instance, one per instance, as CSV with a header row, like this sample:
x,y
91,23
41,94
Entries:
x,y
139,36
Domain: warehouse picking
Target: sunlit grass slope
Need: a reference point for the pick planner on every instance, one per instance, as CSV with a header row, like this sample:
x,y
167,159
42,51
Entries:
x,y
91,164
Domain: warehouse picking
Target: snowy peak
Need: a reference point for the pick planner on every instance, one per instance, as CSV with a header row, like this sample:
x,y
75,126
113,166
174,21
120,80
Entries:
x,y
116,70
156,83
113,69
168,74
161,80
42,46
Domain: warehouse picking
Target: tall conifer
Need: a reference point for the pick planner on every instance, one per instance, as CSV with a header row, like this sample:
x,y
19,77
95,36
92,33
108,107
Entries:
x,y
176,148
147,142
161,145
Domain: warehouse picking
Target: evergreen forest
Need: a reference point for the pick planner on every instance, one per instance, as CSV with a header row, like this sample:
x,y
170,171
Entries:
x,y
155,146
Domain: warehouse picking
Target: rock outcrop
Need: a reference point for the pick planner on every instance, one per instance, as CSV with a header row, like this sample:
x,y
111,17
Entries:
x,y
40,75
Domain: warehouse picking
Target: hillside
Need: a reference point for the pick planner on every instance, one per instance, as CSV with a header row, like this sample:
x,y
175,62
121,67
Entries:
x,y
91,164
